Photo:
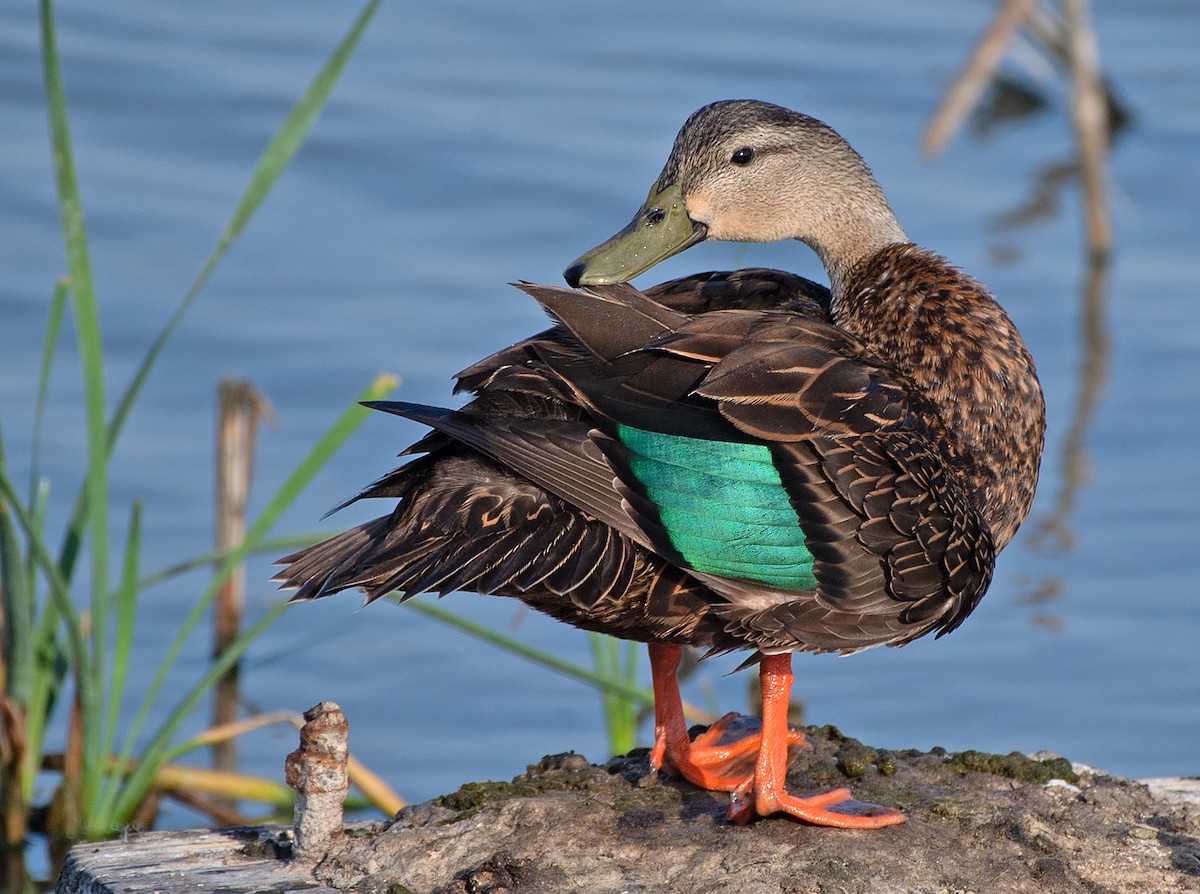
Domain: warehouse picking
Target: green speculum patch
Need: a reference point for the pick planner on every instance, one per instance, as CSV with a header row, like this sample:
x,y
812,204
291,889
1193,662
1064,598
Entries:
x,y
724,507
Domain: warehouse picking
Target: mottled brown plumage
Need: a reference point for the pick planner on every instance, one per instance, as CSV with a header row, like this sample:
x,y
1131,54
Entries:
x,y
645,468
467,522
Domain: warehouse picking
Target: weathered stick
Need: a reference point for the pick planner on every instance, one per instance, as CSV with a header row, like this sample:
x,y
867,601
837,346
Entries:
x,y
240,407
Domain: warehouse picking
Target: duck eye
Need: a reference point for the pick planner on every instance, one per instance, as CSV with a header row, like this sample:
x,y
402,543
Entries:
x,y
743,156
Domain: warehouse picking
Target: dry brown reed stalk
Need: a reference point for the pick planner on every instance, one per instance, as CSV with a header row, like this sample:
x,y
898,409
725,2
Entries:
x,y
240,408
1072,42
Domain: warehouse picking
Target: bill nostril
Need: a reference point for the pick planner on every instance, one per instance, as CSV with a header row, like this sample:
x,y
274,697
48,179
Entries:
x,y
573,274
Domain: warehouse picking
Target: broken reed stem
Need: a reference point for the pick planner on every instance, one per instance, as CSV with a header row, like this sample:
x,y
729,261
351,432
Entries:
x,y
216,809
1089,108
240,408
976,74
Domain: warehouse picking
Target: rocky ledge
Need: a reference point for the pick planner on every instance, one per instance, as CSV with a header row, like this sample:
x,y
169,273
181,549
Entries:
x,y
987,824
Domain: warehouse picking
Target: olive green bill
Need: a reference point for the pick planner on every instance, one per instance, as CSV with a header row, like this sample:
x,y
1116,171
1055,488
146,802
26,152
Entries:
x,y
660,229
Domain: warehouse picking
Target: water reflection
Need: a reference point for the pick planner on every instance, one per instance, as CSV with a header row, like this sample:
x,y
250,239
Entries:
x,y
1052,533
994,99
1067,44
1012,101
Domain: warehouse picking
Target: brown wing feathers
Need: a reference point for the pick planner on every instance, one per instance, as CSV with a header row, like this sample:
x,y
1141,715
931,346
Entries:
x,y
523,491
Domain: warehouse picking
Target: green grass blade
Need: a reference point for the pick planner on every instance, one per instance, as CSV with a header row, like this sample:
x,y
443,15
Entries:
x,y
89,518
126,602
288,139
271,164
636,694
620,713
50,663
221,665
58,304
631,710
50,669
130,794
272,546
59,593
91,356
607,699
632,651
17,600
114,802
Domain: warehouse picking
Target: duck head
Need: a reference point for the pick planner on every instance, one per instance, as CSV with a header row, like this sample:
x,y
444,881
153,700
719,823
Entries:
x,y
750,171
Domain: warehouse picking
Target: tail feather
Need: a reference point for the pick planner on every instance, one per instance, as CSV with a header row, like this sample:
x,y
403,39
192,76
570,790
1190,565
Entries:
x,y
329,566
466,523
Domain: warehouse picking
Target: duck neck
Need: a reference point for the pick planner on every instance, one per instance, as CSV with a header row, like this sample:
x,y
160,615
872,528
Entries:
x,y
852,236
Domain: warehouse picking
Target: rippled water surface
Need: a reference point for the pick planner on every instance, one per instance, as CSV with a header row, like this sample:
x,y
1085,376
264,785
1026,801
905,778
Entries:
x,y
472,144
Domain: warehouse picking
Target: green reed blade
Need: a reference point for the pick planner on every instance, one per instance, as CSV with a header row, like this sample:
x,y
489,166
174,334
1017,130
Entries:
x,y
91,356
620,712
271,164
50,662
273,546
58,303
119,802
16,608
59,593
126,602
622,688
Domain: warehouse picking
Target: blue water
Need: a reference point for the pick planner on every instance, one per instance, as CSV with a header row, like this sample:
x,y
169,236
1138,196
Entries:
x,y
471,144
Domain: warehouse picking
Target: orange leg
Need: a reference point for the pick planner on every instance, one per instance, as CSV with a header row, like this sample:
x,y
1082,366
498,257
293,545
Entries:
x,y
708,762
766,792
